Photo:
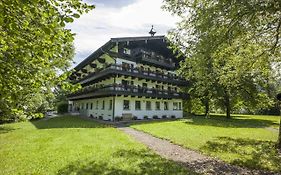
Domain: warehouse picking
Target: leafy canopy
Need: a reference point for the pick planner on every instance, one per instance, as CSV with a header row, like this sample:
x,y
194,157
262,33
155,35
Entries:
x,y
34,47
233,50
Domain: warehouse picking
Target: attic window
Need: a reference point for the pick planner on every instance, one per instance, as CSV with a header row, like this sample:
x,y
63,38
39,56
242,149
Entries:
x,y
127,51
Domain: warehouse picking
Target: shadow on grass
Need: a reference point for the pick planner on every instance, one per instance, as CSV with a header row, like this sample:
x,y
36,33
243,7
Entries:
x,y
140,122
234,122
251,153
67,122
130,162
6,129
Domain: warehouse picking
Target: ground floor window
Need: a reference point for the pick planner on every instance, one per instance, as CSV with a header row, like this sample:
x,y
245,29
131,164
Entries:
x,y
180,106
148,105
137,105
175,106
157,104
166,105
91,106
87,106
110,104
103,105
126,105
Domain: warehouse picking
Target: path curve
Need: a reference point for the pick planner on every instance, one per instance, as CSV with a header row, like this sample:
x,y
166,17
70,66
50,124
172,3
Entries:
x,y
192,160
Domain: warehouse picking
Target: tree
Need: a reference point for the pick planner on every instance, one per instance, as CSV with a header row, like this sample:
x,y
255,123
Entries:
x,y
34,47
235,43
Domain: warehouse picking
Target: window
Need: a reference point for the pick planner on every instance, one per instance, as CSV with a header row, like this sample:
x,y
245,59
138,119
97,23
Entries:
x,y
91,106
175,106
157,104
165,105
110,104
148,105
97,105
180,106
126,105
82,106
137,105
103,105
87,106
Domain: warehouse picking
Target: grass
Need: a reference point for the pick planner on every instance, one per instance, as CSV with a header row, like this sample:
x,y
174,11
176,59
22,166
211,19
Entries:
x,y
70,145
244,140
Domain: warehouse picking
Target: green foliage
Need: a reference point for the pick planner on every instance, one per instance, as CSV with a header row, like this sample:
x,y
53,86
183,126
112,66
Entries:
x,y
34,47
62,108
232,51
244,140
71,145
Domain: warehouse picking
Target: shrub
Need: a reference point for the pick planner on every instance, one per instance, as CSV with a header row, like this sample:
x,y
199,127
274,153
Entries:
x,y
173,116
101,117
91,116
145,117
164,116
135,118
62,108
117,118
155,117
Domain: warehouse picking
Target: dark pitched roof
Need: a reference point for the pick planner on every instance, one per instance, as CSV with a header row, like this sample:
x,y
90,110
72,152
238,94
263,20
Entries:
x,y
111,43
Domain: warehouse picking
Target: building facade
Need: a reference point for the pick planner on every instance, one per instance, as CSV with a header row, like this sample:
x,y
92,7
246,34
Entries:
x,y
129,78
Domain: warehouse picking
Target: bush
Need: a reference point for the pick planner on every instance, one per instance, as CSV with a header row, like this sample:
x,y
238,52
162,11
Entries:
x,y
100,117
62,108
145,117
117,118
91,116
155,117
135,118
173,116
164,116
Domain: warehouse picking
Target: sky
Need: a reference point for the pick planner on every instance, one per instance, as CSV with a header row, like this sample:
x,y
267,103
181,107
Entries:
x,y
118,18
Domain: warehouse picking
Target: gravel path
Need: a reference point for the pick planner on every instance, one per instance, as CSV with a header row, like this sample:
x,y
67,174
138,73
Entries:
x,y
190,159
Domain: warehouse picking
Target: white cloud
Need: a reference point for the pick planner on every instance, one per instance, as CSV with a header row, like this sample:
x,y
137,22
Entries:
x,y
105,22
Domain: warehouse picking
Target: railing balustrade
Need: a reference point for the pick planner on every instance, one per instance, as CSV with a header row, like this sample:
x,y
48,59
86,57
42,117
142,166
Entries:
x,y
128,88
136,70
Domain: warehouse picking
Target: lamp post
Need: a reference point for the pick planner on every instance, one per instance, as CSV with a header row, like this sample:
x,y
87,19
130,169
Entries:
x,y
278,96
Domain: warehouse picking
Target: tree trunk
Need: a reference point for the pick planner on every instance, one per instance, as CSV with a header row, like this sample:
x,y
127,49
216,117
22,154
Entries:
x,y
207,107
279,139
227,105
228,111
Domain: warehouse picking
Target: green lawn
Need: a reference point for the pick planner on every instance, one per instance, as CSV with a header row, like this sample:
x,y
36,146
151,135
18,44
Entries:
x,y
244,140
70,145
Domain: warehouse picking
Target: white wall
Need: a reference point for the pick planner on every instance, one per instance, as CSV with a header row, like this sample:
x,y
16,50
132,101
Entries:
x,y
150,113
106,113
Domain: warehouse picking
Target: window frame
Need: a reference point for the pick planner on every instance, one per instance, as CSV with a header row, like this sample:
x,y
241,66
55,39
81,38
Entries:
x,y
127,107
156,106
148,107
137,101
110,105
166,106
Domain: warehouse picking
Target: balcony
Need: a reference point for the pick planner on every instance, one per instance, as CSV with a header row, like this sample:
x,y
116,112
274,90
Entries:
x,y
137,72
156,59
127,90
